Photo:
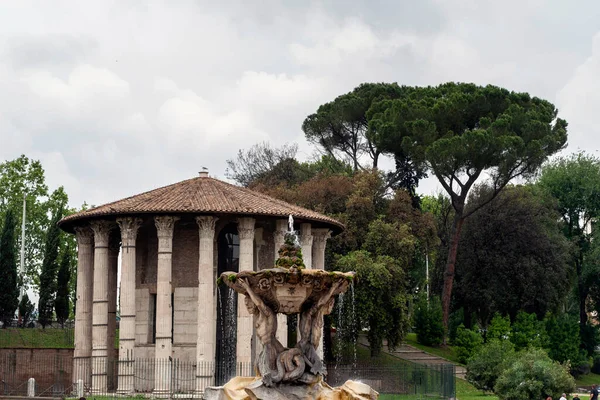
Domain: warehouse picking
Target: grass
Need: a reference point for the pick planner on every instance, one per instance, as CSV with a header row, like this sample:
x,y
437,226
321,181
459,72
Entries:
x,y
466,391
50,338
588,380
446,352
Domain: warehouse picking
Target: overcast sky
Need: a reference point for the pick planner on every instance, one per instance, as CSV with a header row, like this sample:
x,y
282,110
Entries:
x,y
116,97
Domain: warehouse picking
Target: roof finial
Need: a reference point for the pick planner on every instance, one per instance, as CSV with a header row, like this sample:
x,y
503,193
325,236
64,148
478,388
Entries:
x,y
203,173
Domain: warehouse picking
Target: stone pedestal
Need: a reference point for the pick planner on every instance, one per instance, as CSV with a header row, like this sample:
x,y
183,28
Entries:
x,y
164,309
206,340
83,313
129,228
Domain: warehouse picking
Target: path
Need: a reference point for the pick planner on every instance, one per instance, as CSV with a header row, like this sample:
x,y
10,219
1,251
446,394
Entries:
x,y
412,354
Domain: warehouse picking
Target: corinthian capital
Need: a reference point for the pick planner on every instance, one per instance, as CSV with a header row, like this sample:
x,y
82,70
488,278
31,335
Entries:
x,y
246,228
101,230
320,236
206,226
129,229
165,225
84,235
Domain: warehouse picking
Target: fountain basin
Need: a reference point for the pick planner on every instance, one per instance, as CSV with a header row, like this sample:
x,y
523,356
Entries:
x,y
288,291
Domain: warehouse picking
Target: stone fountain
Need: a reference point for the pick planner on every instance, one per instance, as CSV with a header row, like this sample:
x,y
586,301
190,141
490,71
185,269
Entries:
x,y
289,373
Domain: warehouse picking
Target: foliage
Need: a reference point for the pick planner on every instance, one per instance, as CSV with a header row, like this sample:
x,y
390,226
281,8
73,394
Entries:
x,y
458,131
9,290
499,328
259,160
564,342
575,182
49,270
61,303
467,343
488,363
25,310
380,299
511,245
533,375
528,331
428,321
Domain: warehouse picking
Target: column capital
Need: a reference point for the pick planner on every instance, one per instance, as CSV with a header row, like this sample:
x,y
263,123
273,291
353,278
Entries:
x,y
246,228
129,228
84,235
320,236
306,237
280,230
206,226
165,225
101,230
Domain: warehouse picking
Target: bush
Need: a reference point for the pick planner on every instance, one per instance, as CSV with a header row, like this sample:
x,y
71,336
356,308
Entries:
x,y
467,342
564,344
533,375
499,328
486,365
528,331
428,322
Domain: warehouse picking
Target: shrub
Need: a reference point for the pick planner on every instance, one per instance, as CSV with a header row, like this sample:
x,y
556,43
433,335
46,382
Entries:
x,y
428,322
533,375
467,342
499,328
486,365
564,343
528,331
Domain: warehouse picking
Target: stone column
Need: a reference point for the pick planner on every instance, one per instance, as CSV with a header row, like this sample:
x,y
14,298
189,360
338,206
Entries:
x,y
258,244
100,308
114,245
129,228
306,241
163,346
207,317
244,319
83,312
320,237
281,228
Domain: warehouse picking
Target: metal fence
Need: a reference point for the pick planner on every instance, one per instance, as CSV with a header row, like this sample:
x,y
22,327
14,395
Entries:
x,y
57,376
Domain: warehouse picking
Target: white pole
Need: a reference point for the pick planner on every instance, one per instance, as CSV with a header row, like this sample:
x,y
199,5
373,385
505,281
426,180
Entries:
x,y
427,270
22,268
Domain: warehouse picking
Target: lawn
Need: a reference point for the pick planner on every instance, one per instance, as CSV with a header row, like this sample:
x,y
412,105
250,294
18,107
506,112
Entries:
x,y
446,352
50,338
588,380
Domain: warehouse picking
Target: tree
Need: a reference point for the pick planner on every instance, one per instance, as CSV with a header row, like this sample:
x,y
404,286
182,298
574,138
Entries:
x,y
61,304
25,310
508,247
533,375
428,321
380,299
461,131
9,290
49,269
575,182
528,331
259,160
488,363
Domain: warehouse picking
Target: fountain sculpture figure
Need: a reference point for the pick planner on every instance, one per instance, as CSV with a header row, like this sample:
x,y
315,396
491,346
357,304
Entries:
x,y
289,288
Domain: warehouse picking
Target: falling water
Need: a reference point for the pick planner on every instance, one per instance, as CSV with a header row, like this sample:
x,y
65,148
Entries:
x,y
339,330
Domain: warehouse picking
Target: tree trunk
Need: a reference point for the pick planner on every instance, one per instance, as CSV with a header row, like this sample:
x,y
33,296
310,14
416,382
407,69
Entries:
x,y
450,266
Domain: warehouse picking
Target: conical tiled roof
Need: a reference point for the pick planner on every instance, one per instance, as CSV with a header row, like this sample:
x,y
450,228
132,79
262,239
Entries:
x,y
201,195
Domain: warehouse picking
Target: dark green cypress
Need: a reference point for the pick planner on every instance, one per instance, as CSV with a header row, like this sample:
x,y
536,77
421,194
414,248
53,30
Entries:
x,y
9,291
49,270
61,304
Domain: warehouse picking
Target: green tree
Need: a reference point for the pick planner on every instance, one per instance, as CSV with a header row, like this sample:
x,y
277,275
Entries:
x,y
499,328
25,310
9,290
564,342
428,321
533,375
61,303
508,247
528,331
49,270
488,363
467,343
380,299
575,182
461,131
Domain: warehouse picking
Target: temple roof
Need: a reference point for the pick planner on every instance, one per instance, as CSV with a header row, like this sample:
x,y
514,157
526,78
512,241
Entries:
x,y
201,195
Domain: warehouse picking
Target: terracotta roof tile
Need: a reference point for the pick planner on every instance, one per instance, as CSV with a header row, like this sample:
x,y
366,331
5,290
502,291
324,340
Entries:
x,y
201,195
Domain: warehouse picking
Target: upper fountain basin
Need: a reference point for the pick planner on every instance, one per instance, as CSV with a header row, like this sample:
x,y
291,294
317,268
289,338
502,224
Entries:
x,y
289,291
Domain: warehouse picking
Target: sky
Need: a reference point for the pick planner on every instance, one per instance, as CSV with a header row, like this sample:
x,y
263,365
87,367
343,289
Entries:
x,y
119,97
